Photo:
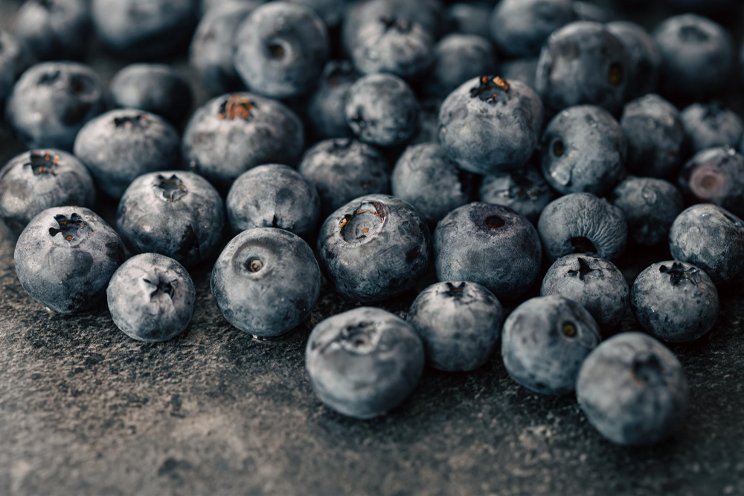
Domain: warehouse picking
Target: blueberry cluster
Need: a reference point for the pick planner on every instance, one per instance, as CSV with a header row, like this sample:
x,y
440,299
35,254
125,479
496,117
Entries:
x,y
492,162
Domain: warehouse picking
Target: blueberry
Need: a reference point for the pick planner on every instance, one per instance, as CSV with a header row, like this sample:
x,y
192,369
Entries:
x,y
280,49
364,362
488,244
519,27
544,342
716,175
583,150
211,52
326,108
459,324
519,70
154,88
490,125
711,238
266,281
344,169
633,390
469,17
144,28
582,223
523,190
649,206
426,178
273,196
66,94
711,125
39,179
593,282
643,56
54,29
65,257
120,145
697,56
583,63
382,110
458,58
374,248
151,298
655,135
14,59
233,133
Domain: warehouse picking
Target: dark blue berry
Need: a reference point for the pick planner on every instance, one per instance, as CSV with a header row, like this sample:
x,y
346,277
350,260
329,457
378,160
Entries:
x,y
154,88
711,125
519,27
649,206
716,175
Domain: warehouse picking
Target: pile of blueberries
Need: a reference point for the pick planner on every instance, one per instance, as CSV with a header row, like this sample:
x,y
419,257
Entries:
x,y
507,148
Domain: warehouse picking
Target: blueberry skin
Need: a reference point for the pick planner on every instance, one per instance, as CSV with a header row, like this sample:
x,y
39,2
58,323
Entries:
x,y
425,177
65,257
519,27
52,101
490,245
489,125
459,324
151,298
583,63
588,11
233,133
582,223
382,110
364,362
633,390
120,145
544,342
280,49
519,70
711,238
458,58
266,281
523,190
273,196
211,51
39,179
593,282
155,88
374,248
330,11
54,29
344,169
583,150
711,125
145,28
428,122
655,136
14,59
326,108
650,206
697,56
716,175
643,56
469,18
174,213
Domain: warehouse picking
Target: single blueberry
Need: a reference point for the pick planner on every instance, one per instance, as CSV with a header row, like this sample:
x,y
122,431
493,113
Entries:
x,y
266,281
65,257
523,190
364,362
544,342
643,56
716,175
326,107
54,29
151,298
490,245
458,58
519,27
633,390
374,248
459,324
710,125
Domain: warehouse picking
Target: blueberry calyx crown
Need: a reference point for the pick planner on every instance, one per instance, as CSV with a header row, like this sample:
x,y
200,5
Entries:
x,y
358,119
569,329
363,222
132,121
237,107
400,25
490,88
455,290
170,188
42,163
677,272
253,264
582,271
646,367
161,287
69,227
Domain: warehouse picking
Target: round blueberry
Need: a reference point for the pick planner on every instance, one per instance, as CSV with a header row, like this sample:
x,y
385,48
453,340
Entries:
x,y
458,58
459,324
151,298
519,27
711,125
266,281
490,245
633,390
544,342
65,257
364,362
54,29
326,108
174,213
716,175
643,57
523,190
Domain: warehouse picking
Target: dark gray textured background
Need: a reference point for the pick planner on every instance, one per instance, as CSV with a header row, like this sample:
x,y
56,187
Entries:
x,y
85,410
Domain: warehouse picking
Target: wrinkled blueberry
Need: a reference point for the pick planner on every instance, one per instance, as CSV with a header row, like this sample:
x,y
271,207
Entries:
x,y
643,56
519,27
711,125
716,175
326,108
154,88
523,190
